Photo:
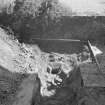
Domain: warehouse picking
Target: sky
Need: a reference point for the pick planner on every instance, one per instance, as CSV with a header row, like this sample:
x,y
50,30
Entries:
x,y
85,7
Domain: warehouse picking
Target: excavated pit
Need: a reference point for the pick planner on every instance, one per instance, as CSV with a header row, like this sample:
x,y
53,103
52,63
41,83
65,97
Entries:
x,y
24,88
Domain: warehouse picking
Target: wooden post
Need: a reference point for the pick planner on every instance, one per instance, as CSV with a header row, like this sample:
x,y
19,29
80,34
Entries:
x,y
95,59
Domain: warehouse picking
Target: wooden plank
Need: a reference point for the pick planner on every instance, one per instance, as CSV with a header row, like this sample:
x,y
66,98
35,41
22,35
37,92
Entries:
x,y
91,77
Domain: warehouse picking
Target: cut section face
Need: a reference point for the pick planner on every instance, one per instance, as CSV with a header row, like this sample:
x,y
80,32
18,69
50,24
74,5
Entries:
x,y
52,65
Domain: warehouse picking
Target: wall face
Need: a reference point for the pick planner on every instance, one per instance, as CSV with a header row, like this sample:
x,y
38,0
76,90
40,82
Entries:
x,y
85,7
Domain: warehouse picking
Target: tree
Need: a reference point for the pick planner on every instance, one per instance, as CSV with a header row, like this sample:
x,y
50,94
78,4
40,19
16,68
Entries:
x,y
34,17
7,6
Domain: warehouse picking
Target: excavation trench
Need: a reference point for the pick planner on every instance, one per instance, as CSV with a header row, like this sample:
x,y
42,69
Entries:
x,y
43,86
